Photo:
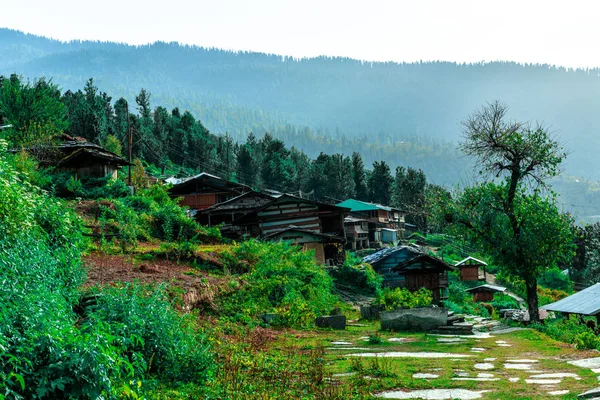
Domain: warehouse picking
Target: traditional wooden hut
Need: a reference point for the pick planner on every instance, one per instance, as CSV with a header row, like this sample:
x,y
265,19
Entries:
x,y
410,267
485,292
287,211
471,269
322,244
205,190
85,159
385,224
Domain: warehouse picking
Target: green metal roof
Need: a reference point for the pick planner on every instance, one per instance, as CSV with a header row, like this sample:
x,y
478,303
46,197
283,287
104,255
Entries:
x,y
357,205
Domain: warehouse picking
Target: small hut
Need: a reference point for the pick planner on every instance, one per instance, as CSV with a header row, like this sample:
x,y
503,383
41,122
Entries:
x,y
485,292
425,271
471,269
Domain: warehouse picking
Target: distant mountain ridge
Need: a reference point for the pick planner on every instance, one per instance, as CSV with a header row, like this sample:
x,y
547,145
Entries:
x,y
344,103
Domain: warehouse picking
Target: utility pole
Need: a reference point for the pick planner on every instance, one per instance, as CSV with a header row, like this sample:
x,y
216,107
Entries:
x,y
130,142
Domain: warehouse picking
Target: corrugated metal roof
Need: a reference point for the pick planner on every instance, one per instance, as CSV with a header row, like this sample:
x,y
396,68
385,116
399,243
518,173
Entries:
x,y
586,302
357,205
487,287
384,253
458,264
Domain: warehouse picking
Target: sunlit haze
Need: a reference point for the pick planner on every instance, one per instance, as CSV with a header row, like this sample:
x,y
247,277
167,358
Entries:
x,y
554,32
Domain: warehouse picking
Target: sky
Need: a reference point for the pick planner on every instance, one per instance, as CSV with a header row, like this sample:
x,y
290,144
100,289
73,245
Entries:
x,y
565,33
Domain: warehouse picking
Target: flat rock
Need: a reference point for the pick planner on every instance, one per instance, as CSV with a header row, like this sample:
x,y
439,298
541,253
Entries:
x,y
513,380
590,394
489,359
478,349
434,394
484,366
341,343
522,361
450,339
591,363
343,374
415,319
425,376
556,375
337,322
399,354
478,379
558,392
397,339
543,381
523,367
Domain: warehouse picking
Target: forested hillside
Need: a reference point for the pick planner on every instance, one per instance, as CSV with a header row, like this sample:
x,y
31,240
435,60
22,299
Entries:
x,y
326,104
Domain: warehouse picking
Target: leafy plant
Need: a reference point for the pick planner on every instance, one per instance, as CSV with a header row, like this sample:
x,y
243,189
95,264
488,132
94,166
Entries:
x,y
396,298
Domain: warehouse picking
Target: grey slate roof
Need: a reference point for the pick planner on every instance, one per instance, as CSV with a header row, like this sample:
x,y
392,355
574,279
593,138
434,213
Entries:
x,y
585,302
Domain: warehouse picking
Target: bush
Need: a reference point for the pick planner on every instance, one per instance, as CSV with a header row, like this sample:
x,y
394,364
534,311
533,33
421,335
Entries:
x,y
361,277
396,298
565,329
152,334
278,278
554,278
587,340
50,351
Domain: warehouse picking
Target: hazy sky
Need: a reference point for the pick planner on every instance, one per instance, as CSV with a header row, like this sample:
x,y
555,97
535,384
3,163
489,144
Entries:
x,y
555,32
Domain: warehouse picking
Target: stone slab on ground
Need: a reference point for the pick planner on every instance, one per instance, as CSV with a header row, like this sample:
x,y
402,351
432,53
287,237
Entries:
x,y
337,322
434,394
414,319
590,394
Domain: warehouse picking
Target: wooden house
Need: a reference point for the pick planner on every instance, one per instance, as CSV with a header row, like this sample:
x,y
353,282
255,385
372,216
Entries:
x,y
328,248
287,211
205,190
228,211
485,292
85,159
410,267
471,269
385,224
357,233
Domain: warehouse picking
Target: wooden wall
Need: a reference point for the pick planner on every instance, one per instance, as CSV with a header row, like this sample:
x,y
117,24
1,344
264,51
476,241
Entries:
x,y
469,273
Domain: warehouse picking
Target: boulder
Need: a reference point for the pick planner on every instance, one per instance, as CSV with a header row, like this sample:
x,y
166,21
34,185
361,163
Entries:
x,y
414,319
370,312
331,321
590,394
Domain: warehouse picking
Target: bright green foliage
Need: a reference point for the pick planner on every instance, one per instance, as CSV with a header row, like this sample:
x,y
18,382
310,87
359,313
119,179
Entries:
x,y
152,214
568,330
158,340
587,340
65,185
359,277
50,351
396,298
279,279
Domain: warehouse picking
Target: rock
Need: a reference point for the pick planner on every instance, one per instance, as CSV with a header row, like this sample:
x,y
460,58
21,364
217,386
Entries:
x,y
370,312
331,321
590,394
268,318
147,269
414,319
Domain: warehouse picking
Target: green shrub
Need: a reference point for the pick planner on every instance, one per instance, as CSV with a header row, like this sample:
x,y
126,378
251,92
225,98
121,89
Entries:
x,y
278,278
587,340
360,277
396,298
564,329
150,331
554,278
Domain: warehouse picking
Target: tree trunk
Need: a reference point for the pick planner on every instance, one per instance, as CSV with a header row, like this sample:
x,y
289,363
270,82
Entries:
x,y
532,299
